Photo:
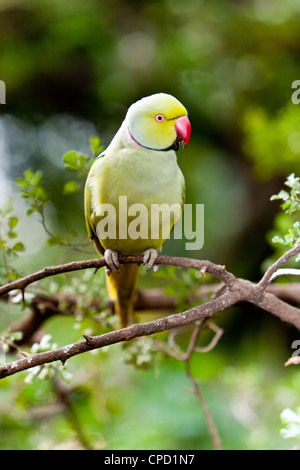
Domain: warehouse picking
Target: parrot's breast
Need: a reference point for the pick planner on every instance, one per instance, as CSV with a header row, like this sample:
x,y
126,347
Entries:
x,y
140,180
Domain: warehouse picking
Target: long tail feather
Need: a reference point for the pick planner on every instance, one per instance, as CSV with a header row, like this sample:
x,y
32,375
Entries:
x,y
121,288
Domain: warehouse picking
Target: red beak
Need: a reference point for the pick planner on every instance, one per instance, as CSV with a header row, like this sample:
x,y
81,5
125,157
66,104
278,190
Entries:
x,y
183,129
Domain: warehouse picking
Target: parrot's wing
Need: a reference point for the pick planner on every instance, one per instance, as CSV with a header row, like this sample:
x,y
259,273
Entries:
x,y
183,192
89,217
183,195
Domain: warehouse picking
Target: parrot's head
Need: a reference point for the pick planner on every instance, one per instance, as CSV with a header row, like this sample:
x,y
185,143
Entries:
x,y
158,122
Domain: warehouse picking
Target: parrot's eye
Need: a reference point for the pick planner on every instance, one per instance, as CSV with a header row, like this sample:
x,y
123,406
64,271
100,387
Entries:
x,y
159,118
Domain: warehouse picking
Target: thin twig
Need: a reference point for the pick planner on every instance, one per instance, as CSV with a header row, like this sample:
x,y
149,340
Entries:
x,y
266,279
177,353
212,428
218,334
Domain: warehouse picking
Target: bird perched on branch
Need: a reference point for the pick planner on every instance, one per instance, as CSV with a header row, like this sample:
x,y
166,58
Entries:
x,y
128,183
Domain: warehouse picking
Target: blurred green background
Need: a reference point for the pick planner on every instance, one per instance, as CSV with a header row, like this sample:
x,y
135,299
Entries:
x,y
71,70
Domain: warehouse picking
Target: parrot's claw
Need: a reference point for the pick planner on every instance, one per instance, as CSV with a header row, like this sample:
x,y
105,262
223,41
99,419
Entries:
x,y
149,258
107,271
112,261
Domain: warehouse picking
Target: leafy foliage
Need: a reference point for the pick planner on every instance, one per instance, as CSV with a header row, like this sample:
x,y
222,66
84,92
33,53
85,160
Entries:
x,y
291,200
9,245
33,190
80,164
291,421
272,141
181,284
291,207
141,353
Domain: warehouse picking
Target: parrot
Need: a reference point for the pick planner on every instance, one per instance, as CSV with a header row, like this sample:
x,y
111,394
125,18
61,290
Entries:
x,y
141,164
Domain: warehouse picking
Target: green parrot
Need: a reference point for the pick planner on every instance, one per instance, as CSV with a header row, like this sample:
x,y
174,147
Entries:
x,y
140,164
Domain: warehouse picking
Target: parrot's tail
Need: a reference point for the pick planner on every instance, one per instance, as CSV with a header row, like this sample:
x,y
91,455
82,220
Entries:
x,y
121,287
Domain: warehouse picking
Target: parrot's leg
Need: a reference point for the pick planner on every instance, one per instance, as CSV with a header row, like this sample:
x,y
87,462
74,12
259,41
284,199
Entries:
x,y
112,260
149,258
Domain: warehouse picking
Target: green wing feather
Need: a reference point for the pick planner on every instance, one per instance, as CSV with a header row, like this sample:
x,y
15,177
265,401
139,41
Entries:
x,y
89,216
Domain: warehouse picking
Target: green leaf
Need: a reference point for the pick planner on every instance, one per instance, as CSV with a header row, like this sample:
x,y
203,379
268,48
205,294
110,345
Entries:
x,y
284,195
18,247
21,182
82,159
96,148
11,234
12,276
2,244
297,226
16,336
292,181
278,239
70,158
13,222
71,187
74,161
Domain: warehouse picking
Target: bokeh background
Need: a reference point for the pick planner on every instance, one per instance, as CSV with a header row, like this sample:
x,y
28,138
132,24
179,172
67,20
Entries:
x,y
71,70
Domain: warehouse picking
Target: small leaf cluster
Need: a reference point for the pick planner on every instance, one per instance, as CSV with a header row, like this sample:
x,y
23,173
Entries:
x,y
291,207
182,284
291,199
9,243
291,422
80,164
8,340
141,353
32,189
46,370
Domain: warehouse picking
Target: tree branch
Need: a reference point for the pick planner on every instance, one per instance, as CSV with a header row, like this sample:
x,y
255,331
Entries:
x,y
45,306
234,291
124,334
203,266
269,274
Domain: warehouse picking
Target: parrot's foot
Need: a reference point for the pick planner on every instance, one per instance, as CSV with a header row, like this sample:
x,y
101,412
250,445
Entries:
x,y
112,261
149,258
